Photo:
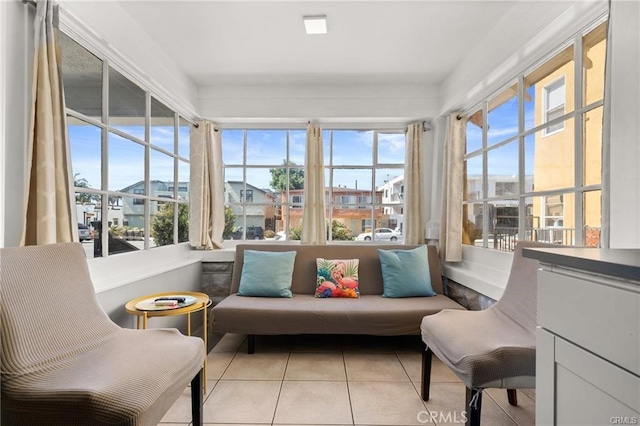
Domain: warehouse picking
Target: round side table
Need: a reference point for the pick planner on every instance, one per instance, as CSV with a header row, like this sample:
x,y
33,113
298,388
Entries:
x,y
201,304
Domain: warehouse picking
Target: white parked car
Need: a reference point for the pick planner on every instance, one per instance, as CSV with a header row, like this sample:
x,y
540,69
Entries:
x,y
380,234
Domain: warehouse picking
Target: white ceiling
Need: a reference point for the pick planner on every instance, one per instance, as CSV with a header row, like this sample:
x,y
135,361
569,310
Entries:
x,y
263,42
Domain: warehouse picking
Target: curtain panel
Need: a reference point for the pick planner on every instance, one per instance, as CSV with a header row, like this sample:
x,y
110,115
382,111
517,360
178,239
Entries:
x,y
314,228
451,228
415,209
49,204
206,206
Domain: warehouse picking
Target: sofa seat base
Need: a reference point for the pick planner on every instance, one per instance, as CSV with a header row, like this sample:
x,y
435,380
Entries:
x,y
305,314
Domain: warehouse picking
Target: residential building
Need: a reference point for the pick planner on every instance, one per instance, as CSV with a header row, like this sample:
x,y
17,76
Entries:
x,y
256,205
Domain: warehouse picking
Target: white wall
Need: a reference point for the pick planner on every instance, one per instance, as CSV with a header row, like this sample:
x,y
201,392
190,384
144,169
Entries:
x,y
624,48
15,72
355,102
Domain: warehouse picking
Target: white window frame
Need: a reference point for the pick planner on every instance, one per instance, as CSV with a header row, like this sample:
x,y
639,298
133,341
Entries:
x,y
577,115
546,110
106,129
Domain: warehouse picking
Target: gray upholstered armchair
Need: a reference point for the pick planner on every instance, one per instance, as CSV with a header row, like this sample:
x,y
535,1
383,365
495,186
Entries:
x,y
494,348
64,362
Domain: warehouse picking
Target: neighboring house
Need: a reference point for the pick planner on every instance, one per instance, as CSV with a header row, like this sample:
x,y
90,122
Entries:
x,y
351,207
392,192
257,204
133,208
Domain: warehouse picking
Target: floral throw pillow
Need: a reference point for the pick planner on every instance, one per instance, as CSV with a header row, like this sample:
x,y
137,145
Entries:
x,y
337,278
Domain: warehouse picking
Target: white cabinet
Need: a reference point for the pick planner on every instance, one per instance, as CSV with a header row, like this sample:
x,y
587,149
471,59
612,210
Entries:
x,y
588,341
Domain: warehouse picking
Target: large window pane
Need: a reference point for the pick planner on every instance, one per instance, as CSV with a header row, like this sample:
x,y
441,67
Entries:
x,y
472,224
266,147
593,58
126,164
503,224
550,160
161,177
352,186
326,146
390,186
391,148
549,90
163,223
232,147
297,146
127,227
592,137
353,147
503,116
502,164
592,205
127,105
183,180
86,153
82,74
473,178
474,132
184,138
162,129
552,219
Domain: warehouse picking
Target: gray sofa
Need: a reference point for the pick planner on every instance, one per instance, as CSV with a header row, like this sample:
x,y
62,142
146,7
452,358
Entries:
x,y
371,314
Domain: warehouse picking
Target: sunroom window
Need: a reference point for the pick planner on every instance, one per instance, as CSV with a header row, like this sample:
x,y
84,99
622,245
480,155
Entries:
x,y
360,165
129,155
533,163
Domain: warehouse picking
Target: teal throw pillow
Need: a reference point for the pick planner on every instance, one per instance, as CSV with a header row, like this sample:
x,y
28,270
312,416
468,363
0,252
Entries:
x,y
405,273
266,273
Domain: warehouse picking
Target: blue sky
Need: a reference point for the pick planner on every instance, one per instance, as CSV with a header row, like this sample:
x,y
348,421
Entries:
x,y
125,156
503,124
268,148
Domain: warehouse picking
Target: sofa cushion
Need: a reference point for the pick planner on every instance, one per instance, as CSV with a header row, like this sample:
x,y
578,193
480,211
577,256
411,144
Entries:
x,y
267,274
337,278
405,273
305,270
305,314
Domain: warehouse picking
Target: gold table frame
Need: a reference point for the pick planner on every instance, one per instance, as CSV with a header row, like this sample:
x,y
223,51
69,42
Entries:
x,y
201,304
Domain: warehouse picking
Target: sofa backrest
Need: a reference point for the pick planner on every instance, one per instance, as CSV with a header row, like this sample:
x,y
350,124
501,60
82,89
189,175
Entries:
x,y
304,270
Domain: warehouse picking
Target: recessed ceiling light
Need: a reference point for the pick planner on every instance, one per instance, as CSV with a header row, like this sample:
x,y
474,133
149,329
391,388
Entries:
x,y
315,24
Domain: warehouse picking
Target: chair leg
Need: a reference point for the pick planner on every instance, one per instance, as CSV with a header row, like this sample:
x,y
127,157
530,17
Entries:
x,y
251,343
473,406
512,396
427,356
197,399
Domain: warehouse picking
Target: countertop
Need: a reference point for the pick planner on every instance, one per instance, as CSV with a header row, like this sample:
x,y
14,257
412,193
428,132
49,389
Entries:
x,y
621,263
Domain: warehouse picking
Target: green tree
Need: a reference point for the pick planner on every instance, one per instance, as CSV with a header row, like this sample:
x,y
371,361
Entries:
x,y
162,224
229,220
339,232
83,197
279,177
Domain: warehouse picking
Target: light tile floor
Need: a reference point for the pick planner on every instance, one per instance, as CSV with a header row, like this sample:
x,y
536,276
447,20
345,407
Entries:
x,y
336,380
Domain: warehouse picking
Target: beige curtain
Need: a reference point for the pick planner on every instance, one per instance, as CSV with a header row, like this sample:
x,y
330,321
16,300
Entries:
x,y
49,204
455,140
314,228
415,211
206,207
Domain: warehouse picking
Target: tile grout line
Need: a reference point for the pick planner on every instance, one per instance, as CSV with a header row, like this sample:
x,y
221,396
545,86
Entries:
x,y
501,408
284,374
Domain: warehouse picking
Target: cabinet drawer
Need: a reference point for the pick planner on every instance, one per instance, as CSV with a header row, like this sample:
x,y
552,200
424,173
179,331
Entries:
x,y
601,318
590,390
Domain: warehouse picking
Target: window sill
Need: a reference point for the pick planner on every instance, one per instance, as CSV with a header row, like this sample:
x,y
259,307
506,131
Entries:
x,y
123,269
483,270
